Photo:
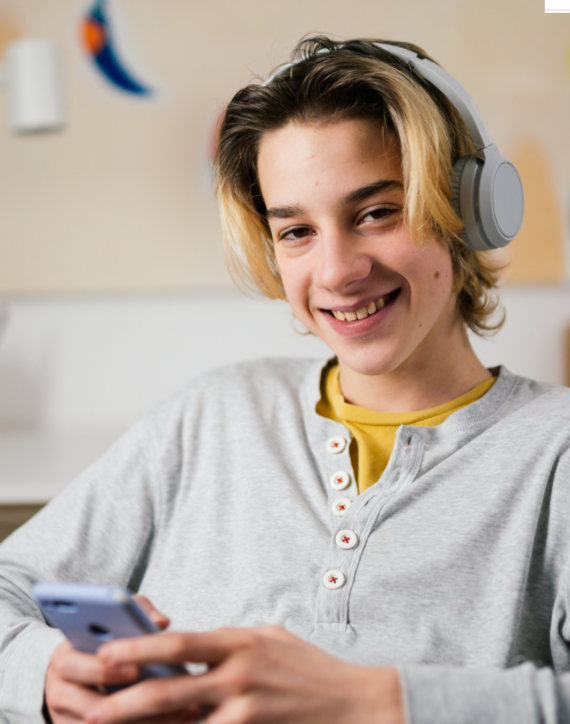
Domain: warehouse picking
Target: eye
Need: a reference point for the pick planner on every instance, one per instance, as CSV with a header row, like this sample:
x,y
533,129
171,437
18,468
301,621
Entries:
x,y
379,214
295,234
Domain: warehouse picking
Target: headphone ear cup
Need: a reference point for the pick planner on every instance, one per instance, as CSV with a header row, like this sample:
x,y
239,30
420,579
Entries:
x,y
487,194
500,196
456,179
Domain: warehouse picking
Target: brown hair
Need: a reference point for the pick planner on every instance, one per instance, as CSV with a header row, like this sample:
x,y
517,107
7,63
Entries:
x,y
338,81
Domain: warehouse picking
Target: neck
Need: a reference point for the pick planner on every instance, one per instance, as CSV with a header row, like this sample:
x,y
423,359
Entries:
x,y
429,378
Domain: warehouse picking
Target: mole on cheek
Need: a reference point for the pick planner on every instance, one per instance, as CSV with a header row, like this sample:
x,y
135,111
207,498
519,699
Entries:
x,y
436,275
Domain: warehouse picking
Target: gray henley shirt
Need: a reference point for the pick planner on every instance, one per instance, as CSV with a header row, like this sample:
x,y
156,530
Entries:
x,y
219,506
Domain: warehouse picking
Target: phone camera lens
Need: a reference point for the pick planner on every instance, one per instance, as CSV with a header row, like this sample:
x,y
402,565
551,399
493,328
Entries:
x,y
100,631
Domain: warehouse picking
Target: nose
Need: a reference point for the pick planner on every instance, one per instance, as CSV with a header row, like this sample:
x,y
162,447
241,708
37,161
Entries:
x,y
340,264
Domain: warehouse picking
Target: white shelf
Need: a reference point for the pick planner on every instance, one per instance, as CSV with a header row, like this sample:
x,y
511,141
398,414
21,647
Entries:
x,y
35,466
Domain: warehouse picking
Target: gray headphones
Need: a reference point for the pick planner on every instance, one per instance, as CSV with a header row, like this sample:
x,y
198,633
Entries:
x,y
487,191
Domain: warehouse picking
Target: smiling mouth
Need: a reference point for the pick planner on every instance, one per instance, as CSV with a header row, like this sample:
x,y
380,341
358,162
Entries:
x,y
367,311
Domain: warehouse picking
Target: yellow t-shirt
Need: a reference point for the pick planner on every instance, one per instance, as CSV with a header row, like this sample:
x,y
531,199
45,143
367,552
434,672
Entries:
x,y
375,432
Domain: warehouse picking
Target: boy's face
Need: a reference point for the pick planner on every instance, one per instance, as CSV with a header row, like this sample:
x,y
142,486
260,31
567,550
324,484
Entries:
x,y
334,196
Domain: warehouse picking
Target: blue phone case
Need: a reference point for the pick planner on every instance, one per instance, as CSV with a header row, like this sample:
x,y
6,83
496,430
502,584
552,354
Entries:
x,y
90,614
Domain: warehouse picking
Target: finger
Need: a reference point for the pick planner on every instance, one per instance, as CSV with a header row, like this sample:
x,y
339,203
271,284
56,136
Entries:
x,y
184,716
63,698
169,697
235,709
275,632
153,613
179,717
87,669
210,647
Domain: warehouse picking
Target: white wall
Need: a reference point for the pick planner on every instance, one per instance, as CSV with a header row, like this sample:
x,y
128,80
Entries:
x,y
101,363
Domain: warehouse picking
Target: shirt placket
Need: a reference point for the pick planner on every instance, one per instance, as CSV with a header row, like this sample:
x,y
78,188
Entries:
x,y
354,517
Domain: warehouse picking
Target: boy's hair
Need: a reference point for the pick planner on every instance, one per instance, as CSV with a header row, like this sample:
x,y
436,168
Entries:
x,y
333,81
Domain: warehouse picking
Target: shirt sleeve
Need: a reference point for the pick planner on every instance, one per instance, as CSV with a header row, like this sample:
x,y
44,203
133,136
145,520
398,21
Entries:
x,y
453,695
99,530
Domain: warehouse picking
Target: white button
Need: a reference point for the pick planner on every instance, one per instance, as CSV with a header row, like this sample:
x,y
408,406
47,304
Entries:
x,y
346,539
341,505
340,480
336,445
334,579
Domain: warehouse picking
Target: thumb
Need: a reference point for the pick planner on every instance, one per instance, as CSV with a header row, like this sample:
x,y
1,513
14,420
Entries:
x,y
153,613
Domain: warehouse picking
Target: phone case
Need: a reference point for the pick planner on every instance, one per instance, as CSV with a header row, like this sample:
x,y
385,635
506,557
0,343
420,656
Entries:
x,y
90,614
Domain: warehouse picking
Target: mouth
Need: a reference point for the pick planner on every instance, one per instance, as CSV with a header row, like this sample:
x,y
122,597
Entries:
x,y
363,312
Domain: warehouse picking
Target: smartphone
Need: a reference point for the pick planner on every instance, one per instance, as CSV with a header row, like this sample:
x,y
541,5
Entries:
x,y
90,614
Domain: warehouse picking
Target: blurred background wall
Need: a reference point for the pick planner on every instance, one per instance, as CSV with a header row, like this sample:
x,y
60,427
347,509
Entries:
x,y
121,201
111,267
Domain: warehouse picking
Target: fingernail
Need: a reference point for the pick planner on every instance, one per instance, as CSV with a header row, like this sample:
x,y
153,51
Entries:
x,y
93,716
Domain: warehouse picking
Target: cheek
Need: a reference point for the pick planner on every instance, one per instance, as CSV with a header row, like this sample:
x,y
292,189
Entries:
x,y
437,265
294,282
431,276
443,278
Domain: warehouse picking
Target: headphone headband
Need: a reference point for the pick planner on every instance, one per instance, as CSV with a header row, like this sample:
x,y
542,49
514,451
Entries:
x,y
454,91
436,76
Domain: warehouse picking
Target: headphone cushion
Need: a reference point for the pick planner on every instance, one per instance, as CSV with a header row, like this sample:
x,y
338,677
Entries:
x,y
456,178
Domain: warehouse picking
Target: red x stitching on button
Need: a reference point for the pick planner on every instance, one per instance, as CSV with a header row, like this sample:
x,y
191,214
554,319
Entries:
x,y
335,444
342,507
333,579
346,539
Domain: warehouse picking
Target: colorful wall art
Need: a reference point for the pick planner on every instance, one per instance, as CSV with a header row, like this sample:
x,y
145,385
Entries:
x,y
121,200
98,41
537,254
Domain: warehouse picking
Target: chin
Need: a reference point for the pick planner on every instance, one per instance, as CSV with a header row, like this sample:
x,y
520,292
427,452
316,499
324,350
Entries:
x,y
366,364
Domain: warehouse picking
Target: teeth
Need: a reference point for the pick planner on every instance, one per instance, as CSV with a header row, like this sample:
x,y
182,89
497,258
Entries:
x,y
361,313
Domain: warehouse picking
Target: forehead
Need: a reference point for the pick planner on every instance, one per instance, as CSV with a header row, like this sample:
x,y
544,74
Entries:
x,y
339,156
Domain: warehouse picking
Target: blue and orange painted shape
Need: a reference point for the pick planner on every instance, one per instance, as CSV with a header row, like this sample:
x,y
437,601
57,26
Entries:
x,y
98,42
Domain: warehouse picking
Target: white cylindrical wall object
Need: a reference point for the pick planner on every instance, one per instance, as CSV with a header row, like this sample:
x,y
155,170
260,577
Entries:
x,y
34,85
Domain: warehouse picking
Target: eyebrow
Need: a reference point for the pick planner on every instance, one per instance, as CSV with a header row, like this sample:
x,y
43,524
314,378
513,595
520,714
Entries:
x,y
367,191
286,212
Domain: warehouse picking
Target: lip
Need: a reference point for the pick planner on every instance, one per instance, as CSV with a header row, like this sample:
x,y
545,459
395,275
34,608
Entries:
x,y
361,326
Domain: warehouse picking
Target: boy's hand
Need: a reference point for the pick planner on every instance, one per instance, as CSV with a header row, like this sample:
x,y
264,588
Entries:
x,y
75,681
257,676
